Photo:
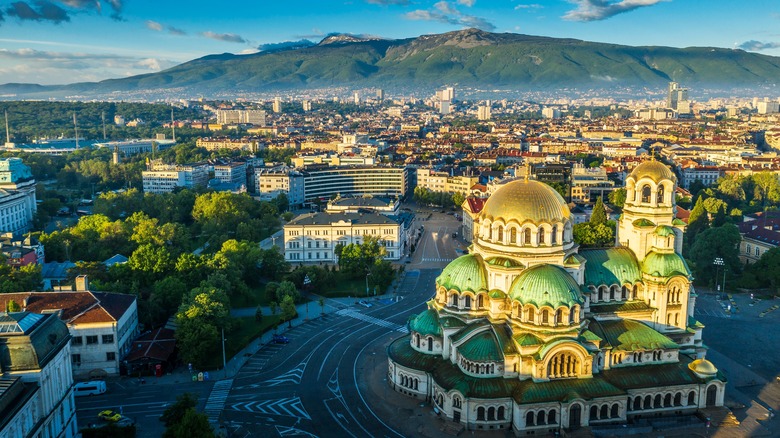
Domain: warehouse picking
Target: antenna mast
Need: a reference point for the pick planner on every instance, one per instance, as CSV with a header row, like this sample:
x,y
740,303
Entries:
x,y
76,128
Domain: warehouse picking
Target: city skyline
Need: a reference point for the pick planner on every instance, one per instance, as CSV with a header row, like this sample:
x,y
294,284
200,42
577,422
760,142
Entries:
x,y
66,41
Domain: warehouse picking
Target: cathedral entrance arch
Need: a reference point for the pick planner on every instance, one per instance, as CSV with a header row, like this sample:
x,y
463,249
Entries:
x,y
575,416
712,395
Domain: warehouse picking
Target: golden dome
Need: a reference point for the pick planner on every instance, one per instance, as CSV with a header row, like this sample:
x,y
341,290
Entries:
x,y
703,367
523,200
654,170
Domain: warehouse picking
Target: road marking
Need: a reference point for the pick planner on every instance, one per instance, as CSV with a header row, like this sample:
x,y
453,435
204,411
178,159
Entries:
x,y
288,407
285,431
426,259
352,313
293,376
216,401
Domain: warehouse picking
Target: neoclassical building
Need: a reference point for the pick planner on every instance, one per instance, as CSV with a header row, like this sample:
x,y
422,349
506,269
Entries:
x,y
529,332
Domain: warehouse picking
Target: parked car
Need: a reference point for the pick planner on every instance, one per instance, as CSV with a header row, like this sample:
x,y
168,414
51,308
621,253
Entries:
x,y
95,387
279,339
364,303
110,415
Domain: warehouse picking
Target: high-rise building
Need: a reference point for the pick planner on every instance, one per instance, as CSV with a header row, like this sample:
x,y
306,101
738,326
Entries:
x,y
551,113
447,94
677,97
164,178
306,105
483,111
380,94
277,104
445,107
356,98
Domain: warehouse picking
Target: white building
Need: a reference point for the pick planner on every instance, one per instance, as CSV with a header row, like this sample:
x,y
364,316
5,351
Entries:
x,y
251,144
483,111
551,113
277,104
443,182
36,396
253,117
164,178
272,182
708,175
306,105
102,325
17,196
231,173
312,237
768,107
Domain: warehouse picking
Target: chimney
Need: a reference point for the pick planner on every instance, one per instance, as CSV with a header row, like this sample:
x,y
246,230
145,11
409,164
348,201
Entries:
x,y
82,283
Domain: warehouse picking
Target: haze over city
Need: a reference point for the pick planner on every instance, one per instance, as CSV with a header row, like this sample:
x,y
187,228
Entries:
x,y
66,41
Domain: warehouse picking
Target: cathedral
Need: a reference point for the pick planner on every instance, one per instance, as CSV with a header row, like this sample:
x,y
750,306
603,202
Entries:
x,y
529,332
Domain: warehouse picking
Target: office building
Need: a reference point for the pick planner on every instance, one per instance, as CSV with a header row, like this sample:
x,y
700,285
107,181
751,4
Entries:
x,y
677,98
277,104
483,111
17,196
252,117
164,178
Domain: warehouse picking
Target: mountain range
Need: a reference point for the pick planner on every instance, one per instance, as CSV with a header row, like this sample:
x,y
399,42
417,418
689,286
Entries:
x,y
468,58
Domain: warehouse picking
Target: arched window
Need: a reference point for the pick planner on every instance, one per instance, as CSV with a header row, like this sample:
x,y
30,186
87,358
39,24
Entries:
x,y
513,235
454,300
612,293
554,235
491,414
678,399
562,365
648,402
481,413
540,235
551,417
615,411
527,236
500,233
417,339
637,403
545,317
529,314
529,419
601,293
623,293
558,316
691,398
660,196
541,418
604,411
594,413
501,414
657,401
467,302
456,403
646,194
430,344
480,301
490,233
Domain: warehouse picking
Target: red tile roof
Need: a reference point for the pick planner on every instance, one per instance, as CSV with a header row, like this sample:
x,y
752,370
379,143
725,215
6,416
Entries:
x,y
476,204
76,307
157,345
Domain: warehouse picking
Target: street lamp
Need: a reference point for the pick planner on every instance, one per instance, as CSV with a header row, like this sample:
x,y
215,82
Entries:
x,y
719,262
224,363
367,274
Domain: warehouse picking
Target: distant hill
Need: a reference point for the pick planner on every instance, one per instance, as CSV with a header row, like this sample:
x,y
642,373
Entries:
x,y
467,58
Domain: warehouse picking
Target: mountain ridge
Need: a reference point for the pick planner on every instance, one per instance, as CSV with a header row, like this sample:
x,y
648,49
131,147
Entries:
x,y
468,57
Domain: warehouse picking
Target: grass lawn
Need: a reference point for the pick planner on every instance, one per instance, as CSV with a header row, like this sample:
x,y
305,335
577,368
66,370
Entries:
x,y
345,287
242,336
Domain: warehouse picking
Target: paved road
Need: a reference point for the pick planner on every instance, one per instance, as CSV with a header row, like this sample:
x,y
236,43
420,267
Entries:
x,y
309,386
437,247
143,403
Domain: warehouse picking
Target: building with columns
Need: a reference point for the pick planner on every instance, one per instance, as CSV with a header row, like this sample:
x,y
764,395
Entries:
x,y
531,333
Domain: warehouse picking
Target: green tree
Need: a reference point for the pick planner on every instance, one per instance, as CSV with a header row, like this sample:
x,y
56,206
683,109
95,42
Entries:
x,y
765,269
270,291
697,221
288,289
599,215
175,412
167,296
458,199
13,306
718,242
198,341
357,259
617,197
321,302
259,313
192,425
288,309
273,264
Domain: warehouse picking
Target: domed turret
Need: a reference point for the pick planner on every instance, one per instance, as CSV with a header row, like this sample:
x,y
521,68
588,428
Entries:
x,y
703,368
466,273
526,200
655,170
546,285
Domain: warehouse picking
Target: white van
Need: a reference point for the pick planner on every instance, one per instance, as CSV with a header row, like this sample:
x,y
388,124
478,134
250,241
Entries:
x,y
94,387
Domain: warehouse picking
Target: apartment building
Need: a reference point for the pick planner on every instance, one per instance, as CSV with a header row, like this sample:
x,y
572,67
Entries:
x,y
164,178
253,117
17,196
589,183
36,389
250,144
270,183
231,173
443,182
707,175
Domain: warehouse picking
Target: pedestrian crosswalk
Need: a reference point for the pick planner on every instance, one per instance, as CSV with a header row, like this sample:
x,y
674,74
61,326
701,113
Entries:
x,y
216,401
426,259
352,313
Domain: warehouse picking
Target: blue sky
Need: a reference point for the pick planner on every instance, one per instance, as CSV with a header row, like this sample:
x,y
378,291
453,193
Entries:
x,y
64,41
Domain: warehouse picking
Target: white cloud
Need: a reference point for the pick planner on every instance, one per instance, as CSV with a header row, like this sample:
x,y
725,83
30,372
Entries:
x,y
227,37
444,12
153,25
595,10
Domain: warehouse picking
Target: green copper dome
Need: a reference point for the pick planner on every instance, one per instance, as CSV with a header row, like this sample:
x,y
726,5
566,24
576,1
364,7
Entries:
x,y
664,231
611,266
548,285
466,273
426,323
665,265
